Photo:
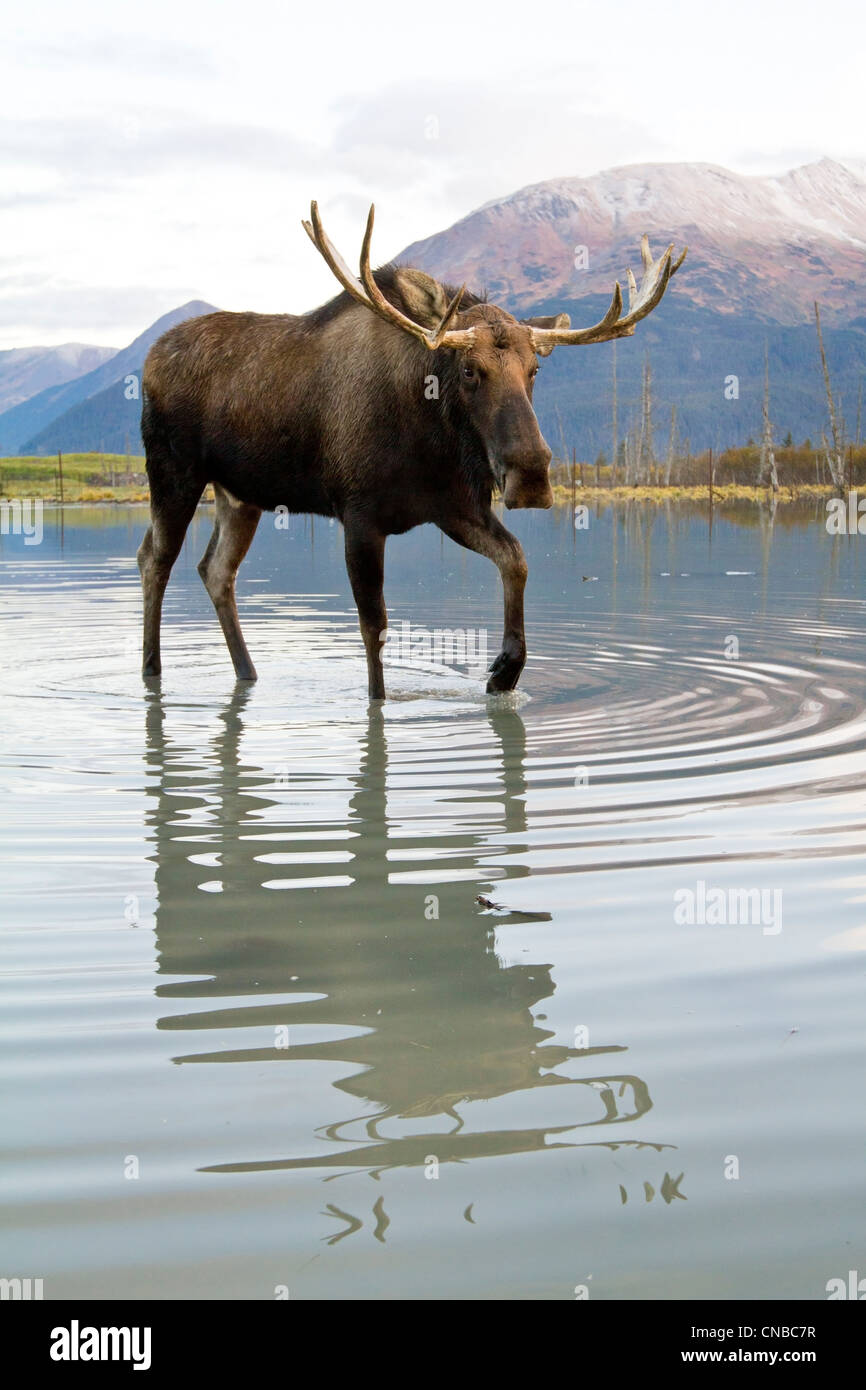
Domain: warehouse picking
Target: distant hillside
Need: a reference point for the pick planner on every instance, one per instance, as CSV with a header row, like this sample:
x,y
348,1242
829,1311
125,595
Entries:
x,y
761,250
107,423
764,247
35,425
25,371
692,352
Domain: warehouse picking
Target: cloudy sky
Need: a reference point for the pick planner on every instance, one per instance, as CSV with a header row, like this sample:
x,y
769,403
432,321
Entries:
x,y
156,153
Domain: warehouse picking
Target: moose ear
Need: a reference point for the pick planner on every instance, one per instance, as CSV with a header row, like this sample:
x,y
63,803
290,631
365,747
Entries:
x,y
550,321
424,297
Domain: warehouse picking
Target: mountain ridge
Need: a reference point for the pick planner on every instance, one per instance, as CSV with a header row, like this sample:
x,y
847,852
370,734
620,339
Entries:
x,y
768,245
26,371
29,427
761,250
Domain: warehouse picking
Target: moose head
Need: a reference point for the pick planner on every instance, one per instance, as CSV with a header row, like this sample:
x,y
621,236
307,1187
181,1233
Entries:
x,y
496,355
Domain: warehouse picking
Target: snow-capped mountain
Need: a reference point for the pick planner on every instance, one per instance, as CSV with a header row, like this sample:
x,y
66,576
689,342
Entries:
x,y
24,371
90,411
765,246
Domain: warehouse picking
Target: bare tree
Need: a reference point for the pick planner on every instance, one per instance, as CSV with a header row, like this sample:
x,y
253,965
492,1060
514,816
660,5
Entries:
x,y
615,453
628,457
672,442
767,466
562,436
644,459
835,449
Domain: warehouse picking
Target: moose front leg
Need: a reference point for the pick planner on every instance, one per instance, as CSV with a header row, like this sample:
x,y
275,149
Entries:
x,y
489,537
365,561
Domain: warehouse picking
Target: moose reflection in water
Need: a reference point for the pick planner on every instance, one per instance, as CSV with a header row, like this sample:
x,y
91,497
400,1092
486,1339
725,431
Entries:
x,y
395,967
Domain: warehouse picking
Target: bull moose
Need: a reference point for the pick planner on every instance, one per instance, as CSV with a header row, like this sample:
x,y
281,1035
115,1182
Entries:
x,y
332,412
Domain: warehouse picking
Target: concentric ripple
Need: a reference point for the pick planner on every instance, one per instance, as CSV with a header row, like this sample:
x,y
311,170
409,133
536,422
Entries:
x,y
298,956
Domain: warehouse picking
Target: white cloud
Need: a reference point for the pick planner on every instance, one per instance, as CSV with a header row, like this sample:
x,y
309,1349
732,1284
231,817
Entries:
x,y
186,163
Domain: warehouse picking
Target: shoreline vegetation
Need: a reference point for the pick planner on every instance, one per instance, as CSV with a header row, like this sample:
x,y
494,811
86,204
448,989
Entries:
x,y
729,478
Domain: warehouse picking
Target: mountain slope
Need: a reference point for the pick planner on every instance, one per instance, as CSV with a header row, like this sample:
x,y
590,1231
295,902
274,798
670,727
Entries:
x,y
30,421
692,353
764,246
25,371
761,250
106,423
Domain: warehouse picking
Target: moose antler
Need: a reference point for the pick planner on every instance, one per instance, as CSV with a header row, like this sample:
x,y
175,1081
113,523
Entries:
x,y
367,292
641,302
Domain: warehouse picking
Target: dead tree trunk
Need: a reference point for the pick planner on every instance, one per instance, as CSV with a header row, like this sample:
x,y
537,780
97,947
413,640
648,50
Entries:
x,y
644,460
562,437
615,455
628,457
767,466
835,449
669,463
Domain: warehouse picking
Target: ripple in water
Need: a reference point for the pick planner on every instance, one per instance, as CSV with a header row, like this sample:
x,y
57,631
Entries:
x,y
276,944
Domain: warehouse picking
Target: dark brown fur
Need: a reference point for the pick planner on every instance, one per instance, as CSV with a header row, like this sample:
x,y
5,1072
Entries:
x,y
335,413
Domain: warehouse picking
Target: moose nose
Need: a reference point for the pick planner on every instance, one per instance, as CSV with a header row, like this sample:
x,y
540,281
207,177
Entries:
x,y
533,459
526,478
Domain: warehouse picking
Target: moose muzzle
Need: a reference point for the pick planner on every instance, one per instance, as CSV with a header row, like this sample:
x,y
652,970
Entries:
x,y
527,483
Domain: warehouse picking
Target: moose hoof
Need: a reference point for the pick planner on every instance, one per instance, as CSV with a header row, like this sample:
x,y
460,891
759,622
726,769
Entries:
x,y
504,673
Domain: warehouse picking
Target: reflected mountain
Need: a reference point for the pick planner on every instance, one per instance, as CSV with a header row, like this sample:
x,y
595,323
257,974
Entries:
x,y
351,957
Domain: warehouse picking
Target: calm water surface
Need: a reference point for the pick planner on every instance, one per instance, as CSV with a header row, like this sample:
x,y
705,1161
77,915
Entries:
x,y
260,1034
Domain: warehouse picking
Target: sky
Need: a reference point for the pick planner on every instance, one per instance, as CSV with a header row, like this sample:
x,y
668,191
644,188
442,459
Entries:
x,y
157,153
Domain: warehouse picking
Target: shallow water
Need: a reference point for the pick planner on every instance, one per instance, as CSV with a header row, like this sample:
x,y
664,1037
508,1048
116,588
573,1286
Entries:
x,y
260,1035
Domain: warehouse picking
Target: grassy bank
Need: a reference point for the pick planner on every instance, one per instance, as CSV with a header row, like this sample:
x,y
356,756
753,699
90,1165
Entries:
x,y
121,478
86,478
727,492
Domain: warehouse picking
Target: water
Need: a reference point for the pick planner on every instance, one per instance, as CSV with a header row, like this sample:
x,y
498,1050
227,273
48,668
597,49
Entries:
x,y
260,1035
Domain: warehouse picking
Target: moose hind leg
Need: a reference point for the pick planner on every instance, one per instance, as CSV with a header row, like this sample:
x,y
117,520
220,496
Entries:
x,y
170,517
232,537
